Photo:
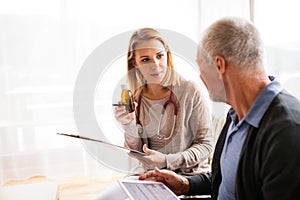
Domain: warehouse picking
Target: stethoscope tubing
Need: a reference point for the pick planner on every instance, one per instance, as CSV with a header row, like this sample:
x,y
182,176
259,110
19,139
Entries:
x,y
169,101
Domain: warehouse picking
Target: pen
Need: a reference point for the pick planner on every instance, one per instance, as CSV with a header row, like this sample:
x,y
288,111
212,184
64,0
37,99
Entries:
x,y
117,104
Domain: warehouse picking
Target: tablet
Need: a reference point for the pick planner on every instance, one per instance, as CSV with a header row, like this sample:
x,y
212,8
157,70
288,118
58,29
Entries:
x,y
148,190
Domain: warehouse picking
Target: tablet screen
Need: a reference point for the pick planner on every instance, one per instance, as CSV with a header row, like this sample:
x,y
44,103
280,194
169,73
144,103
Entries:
x,y
148,190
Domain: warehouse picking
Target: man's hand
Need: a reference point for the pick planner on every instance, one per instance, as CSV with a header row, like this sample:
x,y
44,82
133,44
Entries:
x,y
178,184
154,158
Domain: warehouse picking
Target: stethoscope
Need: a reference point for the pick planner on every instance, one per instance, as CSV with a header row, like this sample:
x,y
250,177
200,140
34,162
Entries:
x,y
169,101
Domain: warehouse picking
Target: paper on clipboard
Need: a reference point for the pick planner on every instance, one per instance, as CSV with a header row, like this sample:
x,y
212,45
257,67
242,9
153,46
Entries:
x,y
128,150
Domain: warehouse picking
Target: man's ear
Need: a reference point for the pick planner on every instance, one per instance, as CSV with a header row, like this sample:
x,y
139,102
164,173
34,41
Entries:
x,y
220,63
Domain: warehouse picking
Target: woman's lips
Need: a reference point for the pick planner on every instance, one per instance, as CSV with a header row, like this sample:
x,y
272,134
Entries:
x,y
155,74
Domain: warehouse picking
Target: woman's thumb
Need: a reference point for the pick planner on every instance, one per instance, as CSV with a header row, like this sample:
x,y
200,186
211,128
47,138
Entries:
x,y
146,149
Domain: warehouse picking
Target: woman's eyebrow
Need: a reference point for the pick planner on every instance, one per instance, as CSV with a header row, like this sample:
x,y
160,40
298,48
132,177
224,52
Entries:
x,y
146,56
142,56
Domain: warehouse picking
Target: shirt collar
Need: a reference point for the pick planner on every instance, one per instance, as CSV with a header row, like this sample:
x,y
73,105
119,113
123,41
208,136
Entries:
x,y
261,104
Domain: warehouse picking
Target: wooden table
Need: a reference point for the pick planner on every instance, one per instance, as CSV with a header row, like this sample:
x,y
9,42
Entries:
x,y
77,187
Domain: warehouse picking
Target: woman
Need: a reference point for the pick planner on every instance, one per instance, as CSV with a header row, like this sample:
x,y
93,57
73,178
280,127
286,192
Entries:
x,y
180,138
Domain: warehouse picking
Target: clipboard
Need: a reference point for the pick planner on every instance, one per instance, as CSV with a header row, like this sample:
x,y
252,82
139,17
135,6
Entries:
x,y
128,150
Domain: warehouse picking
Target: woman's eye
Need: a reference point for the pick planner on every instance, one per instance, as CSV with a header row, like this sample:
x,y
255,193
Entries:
x,y
160,55
145,60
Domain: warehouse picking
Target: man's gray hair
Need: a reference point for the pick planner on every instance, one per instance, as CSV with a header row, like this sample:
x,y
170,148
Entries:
x,y
236,40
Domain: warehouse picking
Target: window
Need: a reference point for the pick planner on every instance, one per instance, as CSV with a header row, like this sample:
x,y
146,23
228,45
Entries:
x,y
281,37
43,46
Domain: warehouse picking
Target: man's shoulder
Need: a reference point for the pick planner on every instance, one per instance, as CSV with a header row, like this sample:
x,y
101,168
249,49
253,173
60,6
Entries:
x,y
285,104
283,111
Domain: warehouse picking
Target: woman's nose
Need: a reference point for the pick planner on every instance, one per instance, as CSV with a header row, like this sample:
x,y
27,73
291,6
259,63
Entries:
x,y
155,63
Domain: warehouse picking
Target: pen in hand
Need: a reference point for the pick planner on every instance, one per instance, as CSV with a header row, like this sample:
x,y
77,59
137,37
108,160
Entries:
x,y
117,104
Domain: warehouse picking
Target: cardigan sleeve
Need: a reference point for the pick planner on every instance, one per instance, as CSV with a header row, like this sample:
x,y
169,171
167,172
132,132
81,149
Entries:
x,y
200,184
196,130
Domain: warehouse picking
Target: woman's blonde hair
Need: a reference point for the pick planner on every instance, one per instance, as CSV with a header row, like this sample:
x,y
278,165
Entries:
x,y
135,78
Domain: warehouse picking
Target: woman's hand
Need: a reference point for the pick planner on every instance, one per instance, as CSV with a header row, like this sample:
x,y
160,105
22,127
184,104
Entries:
x,y
178,184
153,159
123,116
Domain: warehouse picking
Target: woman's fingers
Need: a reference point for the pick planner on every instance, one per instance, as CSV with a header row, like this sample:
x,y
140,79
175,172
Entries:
x,y
122,116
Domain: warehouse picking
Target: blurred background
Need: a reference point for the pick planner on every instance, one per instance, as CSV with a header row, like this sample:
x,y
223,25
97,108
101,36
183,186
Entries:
x,y
43,45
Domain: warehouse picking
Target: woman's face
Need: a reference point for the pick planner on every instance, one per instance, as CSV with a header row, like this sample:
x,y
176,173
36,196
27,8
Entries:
x,y
151,60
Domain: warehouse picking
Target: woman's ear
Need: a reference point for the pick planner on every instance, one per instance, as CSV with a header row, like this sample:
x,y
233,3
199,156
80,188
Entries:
x,y
220,63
